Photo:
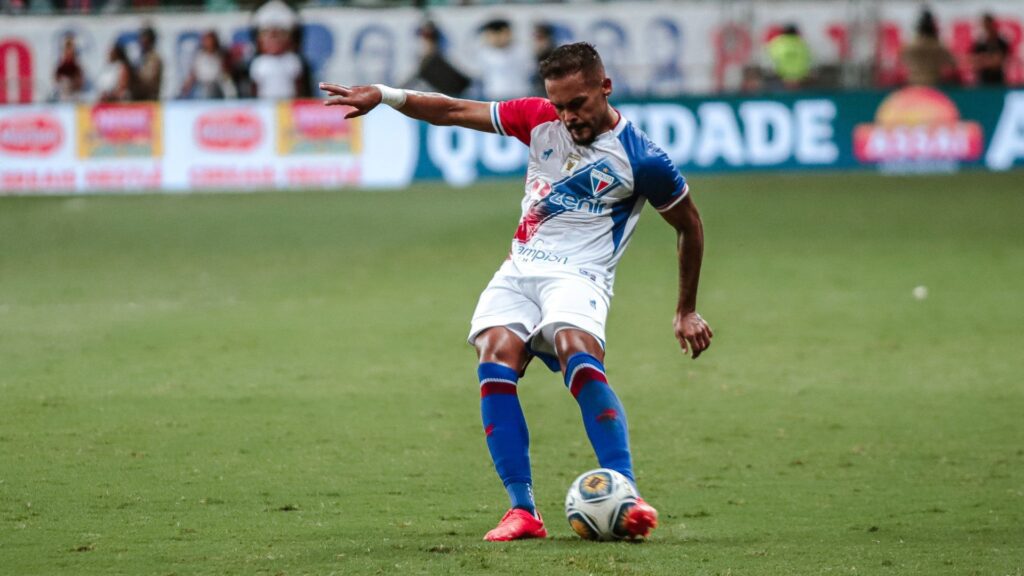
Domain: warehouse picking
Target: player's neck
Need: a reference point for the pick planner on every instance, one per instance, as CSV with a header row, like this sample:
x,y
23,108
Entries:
x,y
611,120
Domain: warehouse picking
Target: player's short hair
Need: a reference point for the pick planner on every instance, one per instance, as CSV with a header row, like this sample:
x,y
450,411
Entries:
x,y
572,58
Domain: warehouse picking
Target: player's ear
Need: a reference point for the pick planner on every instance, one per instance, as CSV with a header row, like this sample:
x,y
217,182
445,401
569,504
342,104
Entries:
x,y
606,87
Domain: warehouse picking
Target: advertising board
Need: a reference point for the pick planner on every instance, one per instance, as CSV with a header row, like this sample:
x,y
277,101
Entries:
x,y
254,145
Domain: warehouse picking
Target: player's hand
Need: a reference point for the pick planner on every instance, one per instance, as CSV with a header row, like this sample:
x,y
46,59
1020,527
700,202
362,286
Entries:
x,y
361,98
693,333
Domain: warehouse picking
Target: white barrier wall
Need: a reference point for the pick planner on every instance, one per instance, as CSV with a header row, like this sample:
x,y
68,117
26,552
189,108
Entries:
x,y
182,146
656,48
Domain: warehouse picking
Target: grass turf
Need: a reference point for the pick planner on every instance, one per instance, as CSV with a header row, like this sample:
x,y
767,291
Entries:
x,y
278,384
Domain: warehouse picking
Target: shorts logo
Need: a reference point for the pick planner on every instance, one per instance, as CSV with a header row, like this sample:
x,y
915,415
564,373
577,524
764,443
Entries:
x,y
547,154
600,180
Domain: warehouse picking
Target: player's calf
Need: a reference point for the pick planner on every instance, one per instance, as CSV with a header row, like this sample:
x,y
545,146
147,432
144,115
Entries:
x,y
603,415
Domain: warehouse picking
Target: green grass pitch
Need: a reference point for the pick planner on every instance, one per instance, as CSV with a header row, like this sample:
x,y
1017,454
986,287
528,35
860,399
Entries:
x,y
279,384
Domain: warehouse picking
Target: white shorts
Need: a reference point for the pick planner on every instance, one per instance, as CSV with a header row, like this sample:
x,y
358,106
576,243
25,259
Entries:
x,y
536,308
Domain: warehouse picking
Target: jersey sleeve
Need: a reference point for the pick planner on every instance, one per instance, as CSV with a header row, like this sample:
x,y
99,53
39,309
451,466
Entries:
x,y
658,179
519,117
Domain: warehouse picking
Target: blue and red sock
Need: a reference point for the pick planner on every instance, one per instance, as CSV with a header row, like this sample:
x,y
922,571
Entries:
x,y
505,427
603,416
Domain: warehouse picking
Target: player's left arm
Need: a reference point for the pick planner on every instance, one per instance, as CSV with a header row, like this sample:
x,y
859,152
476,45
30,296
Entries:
x,y
433,108
692,332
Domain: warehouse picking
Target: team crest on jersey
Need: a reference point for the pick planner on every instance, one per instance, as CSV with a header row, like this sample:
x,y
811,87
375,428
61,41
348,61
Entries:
x,y
601,180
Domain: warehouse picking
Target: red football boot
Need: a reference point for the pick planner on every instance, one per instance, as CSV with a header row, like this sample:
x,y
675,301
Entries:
x,y
517,524
641,519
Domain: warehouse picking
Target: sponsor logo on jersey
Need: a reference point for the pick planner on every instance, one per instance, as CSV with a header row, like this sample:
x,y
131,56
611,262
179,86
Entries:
x,y
547,154
540,188
579,193
567,200
536,255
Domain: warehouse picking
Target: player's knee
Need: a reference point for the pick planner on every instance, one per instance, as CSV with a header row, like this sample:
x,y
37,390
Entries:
x,y
570,342
501,346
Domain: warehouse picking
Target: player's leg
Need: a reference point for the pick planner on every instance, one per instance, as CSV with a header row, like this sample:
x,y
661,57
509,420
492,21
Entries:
x,y
503,357
503,319
582,358
574,311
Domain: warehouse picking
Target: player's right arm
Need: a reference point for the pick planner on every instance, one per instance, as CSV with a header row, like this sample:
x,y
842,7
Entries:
x,y
436,109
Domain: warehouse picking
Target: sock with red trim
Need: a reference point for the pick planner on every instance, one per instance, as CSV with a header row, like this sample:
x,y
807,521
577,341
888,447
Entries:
x,y
505,427
603,416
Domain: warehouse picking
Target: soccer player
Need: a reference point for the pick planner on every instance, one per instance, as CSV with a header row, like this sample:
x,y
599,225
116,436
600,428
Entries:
x,y
590,172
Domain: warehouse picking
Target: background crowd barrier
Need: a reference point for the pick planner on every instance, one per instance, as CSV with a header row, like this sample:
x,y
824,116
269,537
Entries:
x,y
255,145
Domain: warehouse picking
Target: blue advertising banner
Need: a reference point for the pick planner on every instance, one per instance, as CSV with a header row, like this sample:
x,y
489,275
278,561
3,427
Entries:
x,y
915,129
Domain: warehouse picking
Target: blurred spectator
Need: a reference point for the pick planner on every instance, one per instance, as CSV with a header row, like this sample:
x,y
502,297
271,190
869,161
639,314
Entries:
x,y
613,43
543,46
928,62
13,6
790,57
209,76
666,49
752,81
504,73
150,72
277,71
69,80
114,83
989,55
435,73
70,6
374,55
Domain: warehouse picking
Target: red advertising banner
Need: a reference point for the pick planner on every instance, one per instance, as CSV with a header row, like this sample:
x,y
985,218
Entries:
x,y
309,127
120,130
918,124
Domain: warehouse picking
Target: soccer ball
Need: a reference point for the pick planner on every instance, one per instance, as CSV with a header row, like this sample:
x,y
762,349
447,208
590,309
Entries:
x,y
597,504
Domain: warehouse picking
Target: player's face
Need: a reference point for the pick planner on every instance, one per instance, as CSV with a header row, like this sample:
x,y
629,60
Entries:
x,y
582,105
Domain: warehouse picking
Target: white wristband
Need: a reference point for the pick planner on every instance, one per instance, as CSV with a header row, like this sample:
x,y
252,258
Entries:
x,y
394,97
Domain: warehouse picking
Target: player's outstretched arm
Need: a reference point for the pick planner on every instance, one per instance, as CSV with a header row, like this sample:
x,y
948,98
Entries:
x,y
436,109
692,331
